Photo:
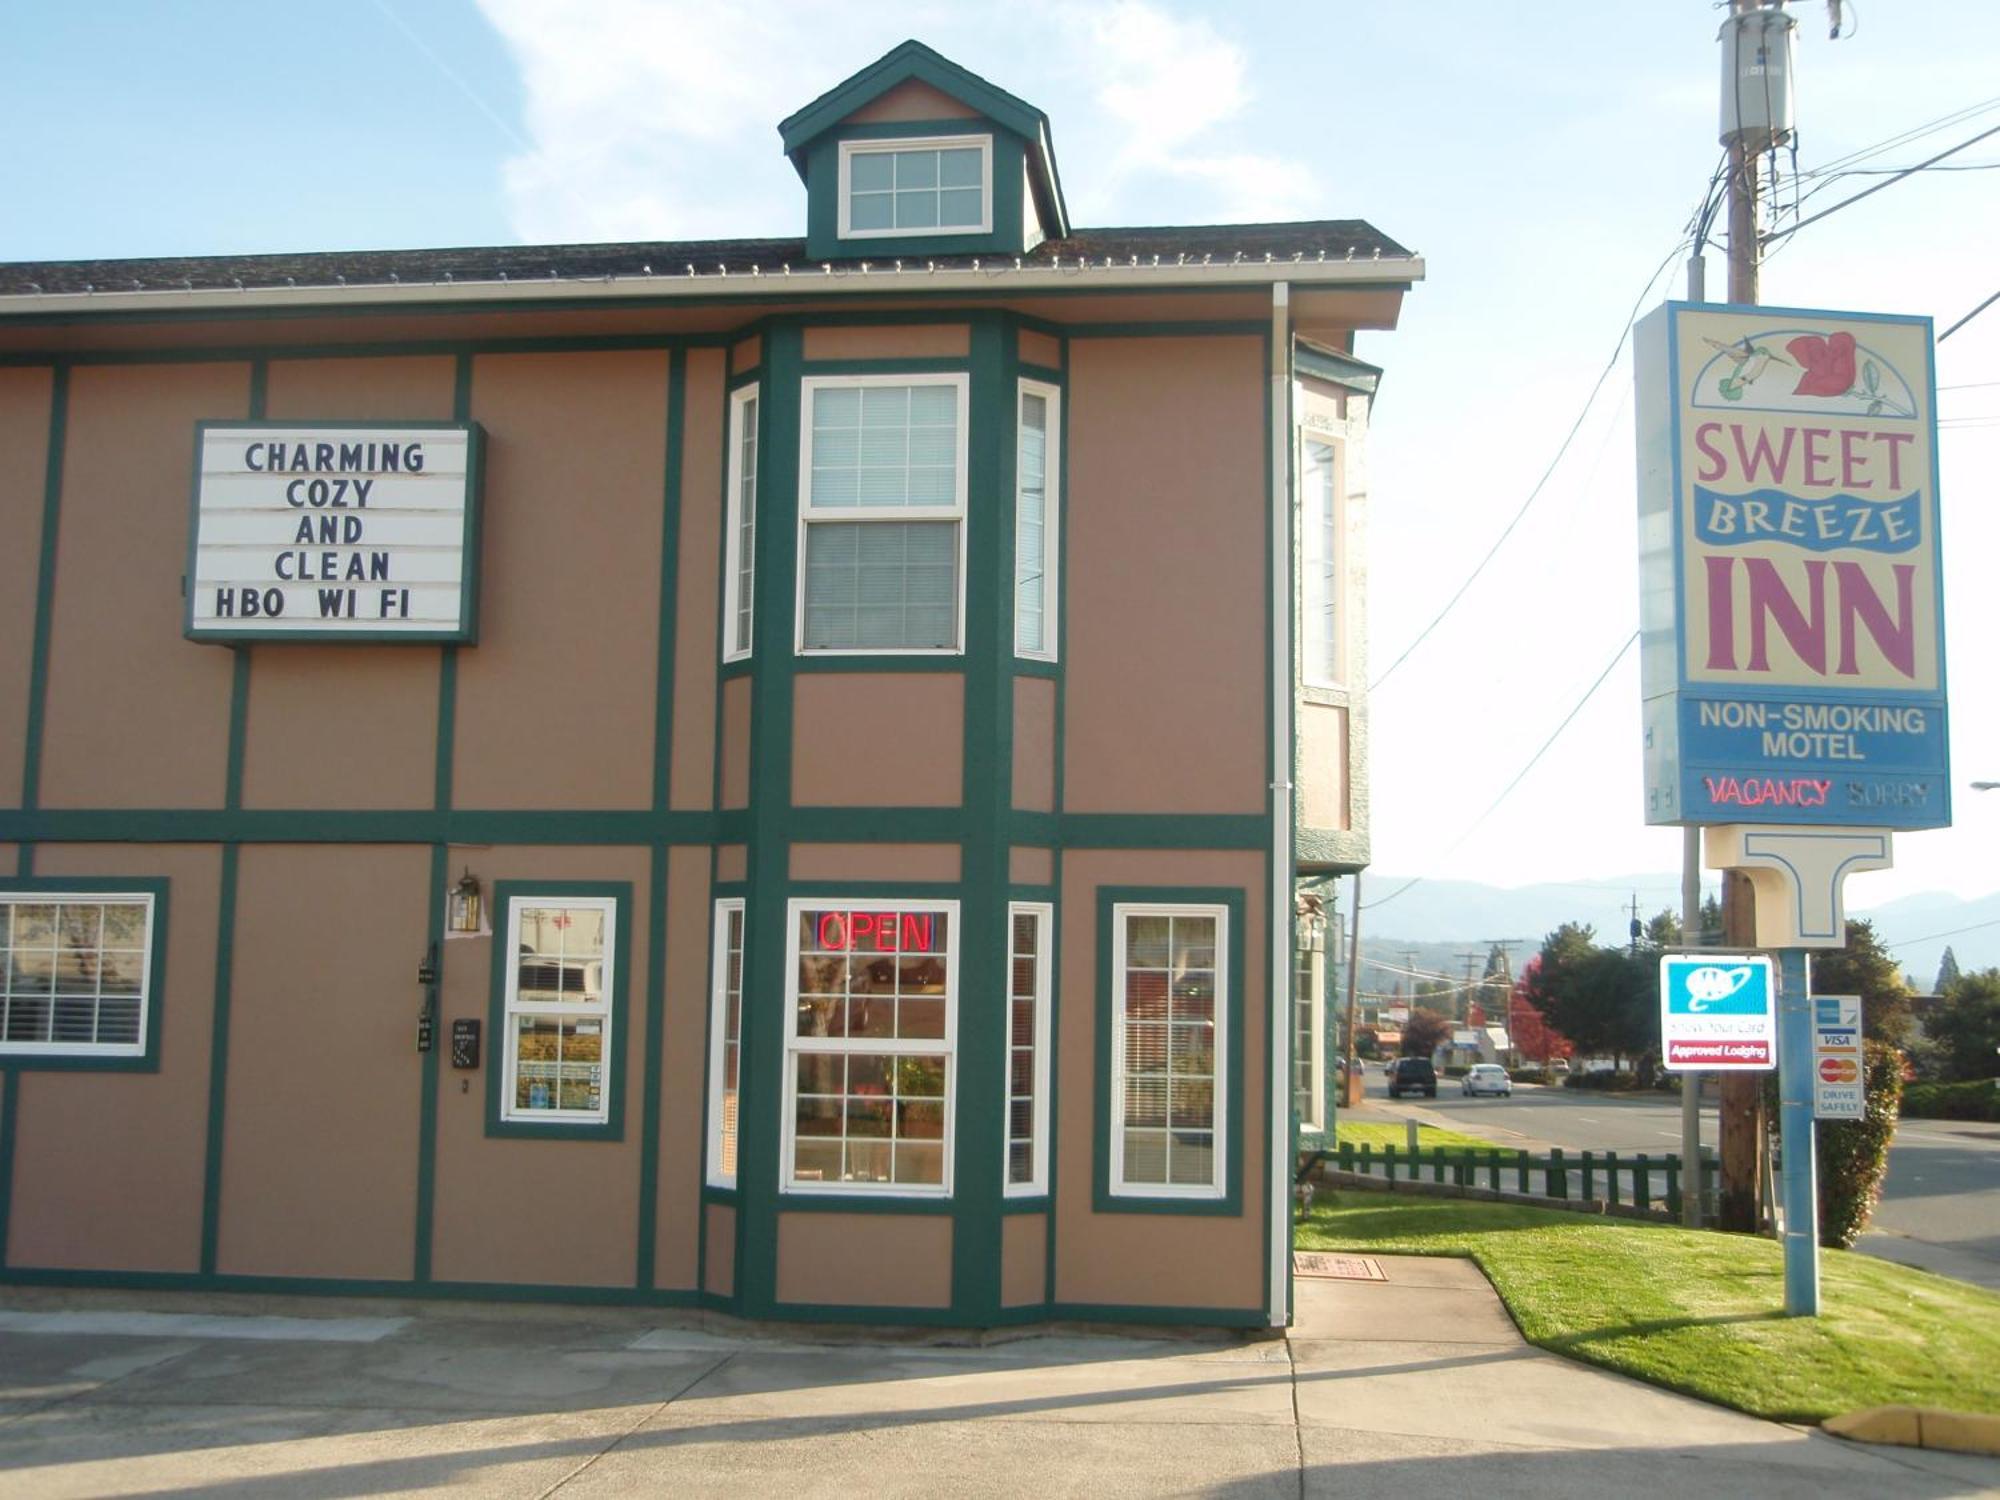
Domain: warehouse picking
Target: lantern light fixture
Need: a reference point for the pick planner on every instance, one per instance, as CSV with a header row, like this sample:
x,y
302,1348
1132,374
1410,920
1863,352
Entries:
x,y
465,907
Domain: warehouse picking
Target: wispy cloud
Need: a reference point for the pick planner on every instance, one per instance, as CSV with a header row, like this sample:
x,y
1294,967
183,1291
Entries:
x,y
654,118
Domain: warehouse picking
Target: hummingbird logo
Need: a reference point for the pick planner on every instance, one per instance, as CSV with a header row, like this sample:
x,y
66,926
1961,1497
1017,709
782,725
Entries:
x,y
1750,361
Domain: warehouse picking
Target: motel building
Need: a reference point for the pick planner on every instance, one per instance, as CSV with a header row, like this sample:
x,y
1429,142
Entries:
x,y
772,776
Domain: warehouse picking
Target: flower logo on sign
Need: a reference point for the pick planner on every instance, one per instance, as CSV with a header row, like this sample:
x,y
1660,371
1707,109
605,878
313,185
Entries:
x,y
1834,369
1829,371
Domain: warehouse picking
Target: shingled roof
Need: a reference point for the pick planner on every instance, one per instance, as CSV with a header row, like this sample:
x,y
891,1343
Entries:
x,y
1169,247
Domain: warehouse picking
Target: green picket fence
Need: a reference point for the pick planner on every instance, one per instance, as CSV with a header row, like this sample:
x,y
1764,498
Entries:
x,y
1636,1178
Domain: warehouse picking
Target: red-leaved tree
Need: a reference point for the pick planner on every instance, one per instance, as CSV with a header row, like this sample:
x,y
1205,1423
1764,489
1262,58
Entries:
x,y
1533,1036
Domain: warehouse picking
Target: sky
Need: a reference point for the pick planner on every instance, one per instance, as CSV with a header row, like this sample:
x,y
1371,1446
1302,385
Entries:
x,y
1543,160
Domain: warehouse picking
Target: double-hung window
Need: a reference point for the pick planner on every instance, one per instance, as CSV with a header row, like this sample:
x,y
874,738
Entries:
x,y
882,468
926,186
556,1044
725,1042
1309,1037
739,569
1028,1048
76,973
870,1047
1319,567
1037,543
1169,1042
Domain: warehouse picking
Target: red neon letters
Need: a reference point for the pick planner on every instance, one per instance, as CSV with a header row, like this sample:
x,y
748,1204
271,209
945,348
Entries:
x,y
875,931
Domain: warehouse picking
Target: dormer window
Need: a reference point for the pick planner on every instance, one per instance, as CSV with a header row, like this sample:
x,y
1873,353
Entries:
x,y
916,187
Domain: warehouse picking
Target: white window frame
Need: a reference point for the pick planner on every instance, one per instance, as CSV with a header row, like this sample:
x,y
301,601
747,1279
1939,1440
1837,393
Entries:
x,y
572,1010
796,1045
718,1040
1217,1187
1310,971
811,515
1043,914
1051,516
891,144
1321,517
738,593
89,1050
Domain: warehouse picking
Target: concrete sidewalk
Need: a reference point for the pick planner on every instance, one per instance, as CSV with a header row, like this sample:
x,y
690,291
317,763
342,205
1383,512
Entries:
x,y
1416,1383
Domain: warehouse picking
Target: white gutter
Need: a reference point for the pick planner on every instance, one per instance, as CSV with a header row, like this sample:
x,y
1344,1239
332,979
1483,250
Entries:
x,y
1279,1104
867,278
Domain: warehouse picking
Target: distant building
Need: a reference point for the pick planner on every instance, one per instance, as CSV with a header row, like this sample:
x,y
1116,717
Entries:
x,y
757,774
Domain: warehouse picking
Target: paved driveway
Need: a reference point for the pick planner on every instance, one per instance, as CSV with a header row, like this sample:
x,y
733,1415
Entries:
x,y
1413,1384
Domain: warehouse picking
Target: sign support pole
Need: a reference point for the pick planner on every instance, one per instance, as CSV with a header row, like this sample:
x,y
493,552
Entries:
x,y
1795,1123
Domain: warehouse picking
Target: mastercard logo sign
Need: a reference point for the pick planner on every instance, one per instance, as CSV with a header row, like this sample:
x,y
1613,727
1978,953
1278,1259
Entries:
x,y
1839,1070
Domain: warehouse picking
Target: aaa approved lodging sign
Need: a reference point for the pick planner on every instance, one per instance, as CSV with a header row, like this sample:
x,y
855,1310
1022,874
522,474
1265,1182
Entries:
x,y
1717,1011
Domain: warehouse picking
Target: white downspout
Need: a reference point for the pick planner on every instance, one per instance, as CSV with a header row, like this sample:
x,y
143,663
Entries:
x,y
1278,1104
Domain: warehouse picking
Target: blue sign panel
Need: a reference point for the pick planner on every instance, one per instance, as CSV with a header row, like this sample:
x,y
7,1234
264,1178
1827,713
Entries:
x,y
1791,610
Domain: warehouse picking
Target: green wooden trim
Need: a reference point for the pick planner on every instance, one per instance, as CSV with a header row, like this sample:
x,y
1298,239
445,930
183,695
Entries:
x,y
1147,830
1230,1204
645,1271
45,593
918,365
10,1135
871,1203
218,1057
1005,236
505,894
903,666
148,1059
467,628
427,1076
1046,374
910,60
332,1286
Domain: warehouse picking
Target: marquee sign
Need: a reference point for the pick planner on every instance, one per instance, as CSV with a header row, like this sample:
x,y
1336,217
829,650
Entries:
x,y
313,530
1791,616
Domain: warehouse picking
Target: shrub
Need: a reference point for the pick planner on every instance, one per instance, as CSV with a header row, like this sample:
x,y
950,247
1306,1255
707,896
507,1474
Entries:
x,y
1979,1100
1854,1154
1603,1081
1529,1075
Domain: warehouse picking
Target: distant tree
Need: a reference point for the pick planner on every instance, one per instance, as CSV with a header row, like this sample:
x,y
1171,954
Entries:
x,y
1367,1042
1966,1028
1947,974
1865,968
1711,921
1604,1000
1533,1037
1425,1032
1663,931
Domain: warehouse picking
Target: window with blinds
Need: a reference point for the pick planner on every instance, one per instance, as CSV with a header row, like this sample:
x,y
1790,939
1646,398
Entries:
x,y
882,513
1035,532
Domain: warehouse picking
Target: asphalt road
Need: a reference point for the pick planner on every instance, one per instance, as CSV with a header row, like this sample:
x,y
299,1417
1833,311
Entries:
x,y
1940,1207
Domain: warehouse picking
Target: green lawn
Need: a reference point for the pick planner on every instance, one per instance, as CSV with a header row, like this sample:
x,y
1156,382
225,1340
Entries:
x,y
1699,1311
1349,1133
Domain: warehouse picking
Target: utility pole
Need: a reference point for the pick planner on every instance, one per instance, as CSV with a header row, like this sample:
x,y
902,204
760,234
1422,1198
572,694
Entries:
x,y
1741,1113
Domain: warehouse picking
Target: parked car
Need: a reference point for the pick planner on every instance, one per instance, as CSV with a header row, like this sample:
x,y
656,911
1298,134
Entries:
x,y
1486,1078
1413,1075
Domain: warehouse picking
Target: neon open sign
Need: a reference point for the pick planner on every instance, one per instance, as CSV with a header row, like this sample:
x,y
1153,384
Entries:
x,y
874,931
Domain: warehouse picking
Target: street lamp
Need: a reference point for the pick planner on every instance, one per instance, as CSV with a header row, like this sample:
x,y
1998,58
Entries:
x,y
1985,786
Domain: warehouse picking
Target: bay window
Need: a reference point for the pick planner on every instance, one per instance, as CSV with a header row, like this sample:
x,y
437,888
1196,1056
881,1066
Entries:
x,y
1319,567
1028,970
870,1047
882,469
1036,539
725,1042
740,527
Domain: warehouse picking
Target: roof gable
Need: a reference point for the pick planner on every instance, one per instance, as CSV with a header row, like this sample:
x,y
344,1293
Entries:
x,y
914,62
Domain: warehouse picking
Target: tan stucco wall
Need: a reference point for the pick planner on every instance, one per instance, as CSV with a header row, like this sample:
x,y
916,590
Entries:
x,y
684,1069
721,1262
744,354
1040,349
895,342
732,862
1029,865
346,726
1322,766
25,398
1153,1258
1023,1259
1165,705
914,100
878,739
555,1212
562,679
736,742
137,716
319,1163
698,574
912,862
864,1260
108,1166
1035,743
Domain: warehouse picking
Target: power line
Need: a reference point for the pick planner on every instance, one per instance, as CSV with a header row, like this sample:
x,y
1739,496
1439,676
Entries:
x,y
1967,319
1931,937
1505,791
1780,234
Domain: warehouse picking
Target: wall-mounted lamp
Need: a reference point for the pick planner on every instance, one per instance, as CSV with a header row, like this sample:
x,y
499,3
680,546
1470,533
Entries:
x,y
464,908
